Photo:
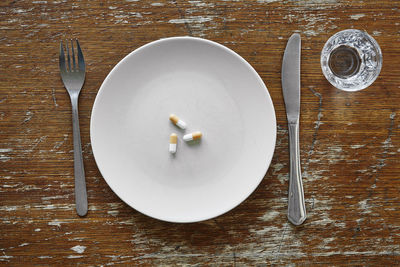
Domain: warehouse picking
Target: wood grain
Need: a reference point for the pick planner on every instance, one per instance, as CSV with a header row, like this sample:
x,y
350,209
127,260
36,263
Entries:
x,y
349,141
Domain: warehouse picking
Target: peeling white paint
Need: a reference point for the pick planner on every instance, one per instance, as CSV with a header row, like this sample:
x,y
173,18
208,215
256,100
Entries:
x,y
115,205
58,144
28,115
4,158
356,146
191,19
269,216
93,207
19,11
357,16
310,32
267,1
37,142
8,208
387,143
283,178
45,257
55,197
76,238
269,229
199,3
55,206
56,222
325,220
321,204
313,175
277,167
113,212
78,249
317,2
53,94
127,222
136,14
28,188
364,206
75,256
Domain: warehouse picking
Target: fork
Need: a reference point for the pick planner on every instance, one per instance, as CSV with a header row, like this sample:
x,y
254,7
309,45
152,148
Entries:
x,y
73,77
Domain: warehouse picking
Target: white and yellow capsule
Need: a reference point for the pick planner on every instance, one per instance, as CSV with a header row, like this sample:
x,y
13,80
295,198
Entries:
x,y
178,122
192,136
173,139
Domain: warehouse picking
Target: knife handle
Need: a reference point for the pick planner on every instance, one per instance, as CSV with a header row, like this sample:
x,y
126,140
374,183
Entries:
x,y
296,205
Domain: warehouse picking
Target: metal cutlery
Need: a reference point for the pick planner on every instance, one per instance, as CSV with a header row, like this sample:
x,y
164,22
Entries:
x,y
291,94
73,77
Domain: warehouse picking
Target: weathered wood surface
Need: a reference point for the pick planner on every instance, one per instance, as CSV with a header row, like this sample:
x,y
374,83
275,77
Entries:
x,y
349,141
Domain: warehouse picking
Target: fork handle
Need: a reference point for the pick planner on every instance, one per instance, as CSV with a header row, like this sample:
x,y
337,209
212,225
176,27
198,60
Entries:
x,y
79,172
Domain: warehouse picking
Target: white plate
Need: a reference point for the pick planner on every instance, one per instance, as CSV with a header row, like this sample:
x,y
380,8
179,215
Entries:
x,y
213,90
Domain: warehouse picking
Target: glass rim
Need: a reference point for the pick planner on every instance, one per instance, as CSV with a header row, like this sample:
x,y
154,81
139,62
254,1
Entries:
x,y
325,55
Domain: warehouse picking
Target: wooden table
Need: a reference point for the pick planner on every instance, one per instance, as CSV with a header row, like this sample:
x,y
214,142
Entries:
x,y
349,141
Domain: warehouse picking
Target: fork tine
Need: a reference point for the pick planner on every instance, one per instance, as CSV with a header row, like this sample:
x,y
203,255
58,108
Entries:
x,y
81,61
73,56
62,57
69,59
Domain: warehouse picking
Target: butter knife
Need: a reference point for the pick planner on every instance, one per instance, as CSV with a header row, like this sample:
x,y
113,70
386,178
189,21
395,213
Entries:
x,y
291,95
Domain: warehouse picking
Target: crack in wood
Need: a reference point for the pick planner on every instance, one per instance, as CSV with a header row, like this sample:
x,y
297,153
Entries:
x,y
384,154
53,94
315,134
281,241
317,122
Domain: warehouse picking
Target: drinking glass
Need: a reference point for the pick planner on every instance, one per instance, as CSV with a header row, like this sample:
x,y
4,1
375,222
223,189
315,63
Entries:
x,y
351,60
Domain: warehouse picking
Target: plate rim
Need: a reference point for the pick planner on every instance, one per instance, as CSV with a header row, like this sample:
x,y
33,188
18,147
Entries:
x,y
268,99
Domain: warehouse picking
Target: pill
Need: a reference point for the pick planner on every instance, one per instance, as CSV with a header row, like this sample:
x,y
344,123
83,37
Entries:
x,y
192,136
173,138
178,122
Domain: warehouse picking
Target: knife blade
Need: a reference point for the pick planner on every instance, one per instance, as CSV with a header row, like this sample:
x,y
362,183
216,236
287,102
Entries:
x,y
291,78
291,95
